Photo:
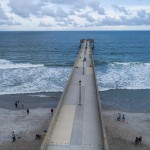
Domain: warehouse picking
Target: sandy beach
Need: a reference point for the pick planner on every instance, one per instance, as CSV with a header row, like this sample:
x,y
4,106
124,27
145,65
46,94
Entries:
x,y
121,135
25,126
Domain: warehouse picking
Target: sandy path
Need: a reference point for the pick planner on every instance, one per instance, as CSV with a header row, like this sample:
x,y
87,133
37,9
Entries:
x,y
121,135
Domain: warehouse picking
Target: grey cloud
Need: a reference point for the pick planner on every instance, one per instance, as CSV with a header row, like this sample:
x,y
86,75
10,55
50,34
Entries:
x,y
123,20
87,17
25,8
108,21
3,16
121,9
95,5
61,13
41,24
5,20
101,11
141,13
69,2
58,13
48,12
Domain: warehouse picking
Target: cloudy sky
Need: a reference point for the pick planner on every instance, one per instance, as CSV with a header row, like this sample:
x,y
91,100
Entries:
x,y
74,15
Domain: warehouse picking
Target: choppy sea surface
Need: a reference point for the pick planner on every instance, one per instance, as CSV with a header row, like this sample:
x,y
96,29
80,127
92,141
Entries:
x,y
42,61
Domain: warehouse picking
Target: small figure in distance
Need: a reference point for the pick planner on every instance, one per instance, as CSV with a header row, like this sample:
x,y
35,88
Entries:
x,y
52,111
136,141
27,111
16,104
123,118
13,137
38,137
140,140
118,116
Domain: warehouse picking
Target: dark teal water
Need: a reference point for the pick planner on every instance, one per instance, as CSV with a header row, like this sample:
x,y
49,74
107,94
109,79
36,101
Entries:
x,y
49,47
42,61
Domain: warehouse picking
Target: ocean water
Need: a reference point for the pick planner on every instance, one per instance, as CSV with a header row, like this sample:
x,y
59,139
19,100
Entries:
x,y
42,61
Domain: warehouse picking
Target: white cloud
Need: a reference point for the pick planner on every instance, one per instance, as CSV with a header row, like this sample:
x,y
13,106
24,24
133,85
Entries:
x,y
53,14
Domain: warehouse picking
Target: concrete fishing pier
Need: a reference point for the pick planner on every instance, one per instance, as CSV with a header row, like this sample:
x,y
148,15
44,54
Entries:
x,y
77,123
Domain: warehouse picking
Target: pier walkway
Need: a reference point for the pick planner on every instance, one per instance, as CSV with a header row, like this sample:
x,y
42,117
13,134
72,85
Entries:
x,y
77,123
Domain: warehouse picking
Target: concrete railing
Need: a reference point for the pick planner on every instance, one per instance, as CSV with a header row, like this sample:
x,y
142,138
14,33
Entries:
x,y
47,137
104,136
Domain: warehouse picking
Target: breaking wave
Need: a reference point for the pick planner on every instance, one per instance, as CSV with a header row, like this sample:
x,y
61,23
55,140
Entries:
x,y
30,78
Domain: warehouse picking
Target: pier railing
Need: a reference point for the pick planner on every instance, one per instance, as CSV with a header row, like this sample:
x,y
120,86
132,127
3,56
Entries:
x,y
104,136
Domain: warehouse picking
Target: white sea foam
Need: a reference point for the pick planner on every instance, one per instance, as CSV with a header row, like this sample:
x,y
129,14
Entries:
x,y
132,75
38,78
32,79
6,64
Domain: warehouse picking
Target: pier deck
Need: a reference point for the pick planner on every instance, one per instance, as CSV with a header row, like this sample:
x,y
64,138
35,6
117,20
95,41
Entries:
x,y
78,124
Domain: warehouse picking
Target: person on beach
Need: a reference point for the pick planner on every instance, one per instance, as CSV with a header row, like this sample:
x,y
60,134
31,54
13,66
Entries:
x,y
37,136
52,111
16,104
123,118
118,116
136,141
27,111
140,140
13,137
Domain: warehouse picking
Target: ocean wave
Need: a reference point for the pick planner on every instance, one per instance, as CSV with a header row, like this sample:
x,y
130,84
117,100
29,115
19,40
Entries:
x,y
6,64
40,78
32,78
129,75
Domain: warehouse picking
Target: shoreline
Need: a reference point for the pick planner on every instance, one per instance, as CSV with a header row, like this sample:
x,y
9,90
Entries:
x,y
120,135
30,100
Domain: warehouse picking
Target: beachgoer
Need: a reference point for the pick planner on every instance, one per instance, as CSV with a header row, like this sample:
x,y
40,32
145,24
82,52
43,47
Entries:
x,y
16,104
22,106
140,140
52,111
37,136
13,137
123,118
27,111
118,116
136,141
